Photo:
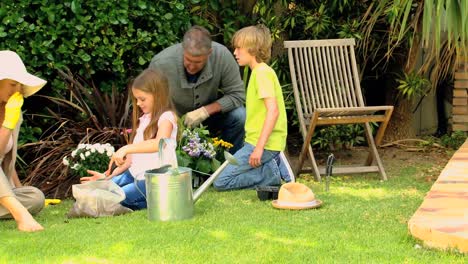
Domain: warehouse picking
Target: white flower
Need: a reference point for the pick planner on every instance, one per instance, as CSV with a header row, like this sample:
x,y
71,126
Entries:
x,y
93,150
101,150
82,156
65,161
110,150
87,153
80,146
73,154
76,166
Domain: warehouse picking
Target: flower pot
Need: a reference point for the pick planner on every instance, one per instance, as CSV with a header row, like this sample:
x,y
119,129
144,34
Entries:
x,y
267,192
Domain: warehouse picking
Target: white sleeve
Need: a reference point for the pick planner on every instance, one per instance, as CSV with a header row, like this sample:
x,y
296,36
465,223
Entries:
x,y
169,156
168,115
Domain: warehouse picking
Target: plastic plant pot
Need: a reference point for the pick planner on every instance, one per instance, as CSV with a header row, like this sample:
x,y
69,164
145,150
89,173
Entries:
x,y
267,192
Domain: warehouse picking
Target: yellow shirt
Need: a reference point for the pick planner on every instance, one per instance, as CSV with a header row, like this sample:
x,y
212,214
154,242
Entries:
x,y
264,84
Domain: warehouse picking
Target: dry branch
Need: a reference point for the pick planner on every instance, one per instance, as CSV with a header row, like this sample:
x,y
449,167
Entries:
x,y
409,144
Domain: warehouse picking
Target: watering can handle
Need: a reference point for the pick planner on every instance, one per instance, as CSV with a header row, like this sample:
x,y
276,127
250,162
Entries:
x,y
163,143
161,147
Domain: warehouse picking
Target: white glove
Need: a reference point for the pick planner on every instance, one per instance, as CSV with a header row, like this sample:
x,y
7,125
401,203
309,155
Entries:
x,y
195,117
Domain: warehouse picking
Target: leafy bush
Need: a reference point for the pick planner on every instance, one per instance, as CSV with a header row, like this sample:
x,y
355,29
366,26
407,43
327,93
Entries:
x,y
323,19
105,42
88,50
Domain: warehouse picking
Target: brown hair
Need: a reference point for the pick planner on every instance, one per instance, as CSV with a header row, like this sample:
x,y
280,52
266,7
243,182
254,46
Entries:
x,y
154,82
257,41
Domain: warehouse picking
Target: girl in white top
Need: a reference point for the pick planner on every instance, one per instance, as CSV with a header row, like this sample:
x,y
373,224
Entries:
x,y
153,118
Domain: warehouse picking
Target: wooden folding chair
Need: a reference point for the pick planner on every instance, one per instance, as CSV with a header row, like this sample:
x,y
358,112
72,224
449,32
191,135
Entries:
x,y
327,91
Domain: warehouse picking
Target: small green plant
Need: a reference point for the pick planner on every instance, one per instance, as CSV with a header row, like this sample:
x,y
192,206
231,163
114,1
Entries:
x,y
352,135
28,134
453,140
326,138
338,137
428,142
412,85
89,157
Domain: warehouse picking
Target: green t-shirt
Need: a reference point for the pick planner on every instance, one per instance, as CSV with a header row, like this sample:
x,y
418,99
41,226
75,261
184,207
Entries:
x,y
264,84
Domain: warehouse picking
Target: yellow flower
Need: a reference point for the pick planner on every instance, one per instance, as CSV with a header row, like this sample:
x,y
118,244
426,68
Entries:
x,y
219,142
216,142
225,144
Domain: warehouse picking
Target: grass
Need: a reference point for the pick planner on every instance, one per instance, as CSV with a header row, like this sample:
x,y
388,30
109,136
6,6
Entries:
x,y
362,220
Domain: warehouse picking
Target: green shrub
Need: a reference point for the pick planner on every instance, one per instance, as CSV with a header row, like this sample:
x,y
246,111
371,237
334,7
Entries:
x,y
453,140
104,42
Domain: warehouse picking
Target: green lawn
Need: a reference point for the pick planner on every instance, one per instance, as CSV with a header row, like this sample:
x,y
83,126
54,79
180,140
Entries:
x,y
363,220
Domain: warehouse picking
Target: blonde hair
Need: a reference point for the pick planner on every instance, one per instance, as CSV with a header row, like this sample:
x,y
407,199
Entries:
x,y
257,41
154,82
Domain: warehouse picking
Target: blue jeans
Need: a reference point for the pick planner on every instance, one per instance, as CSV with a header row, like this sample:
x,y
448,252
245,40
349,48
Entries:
x,y
243,176
231,125
135,191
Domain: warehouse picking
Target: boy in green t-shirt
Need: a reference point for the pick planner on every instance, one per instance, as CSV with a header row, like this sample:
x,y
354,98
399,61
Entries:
x,y
266,124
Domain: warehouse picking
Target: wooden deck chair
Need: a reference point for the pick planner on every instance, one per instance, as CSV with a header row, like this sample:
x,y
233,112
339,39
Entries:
x,y
327,91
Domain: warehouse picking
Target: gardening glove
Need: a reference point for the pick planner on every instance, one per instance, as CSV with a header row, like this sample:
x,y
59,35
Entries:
x,y
195,117
13,110
51,201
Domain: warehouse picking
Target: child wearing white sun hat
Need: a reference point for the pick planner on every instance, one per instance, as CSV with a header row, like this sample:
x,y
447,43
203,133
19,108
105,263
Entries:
x,y
16,201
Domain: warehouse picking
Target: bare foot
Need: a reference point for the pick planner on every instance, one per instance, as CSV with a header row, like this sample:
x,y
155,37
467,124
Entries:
x,y
28,224
23,218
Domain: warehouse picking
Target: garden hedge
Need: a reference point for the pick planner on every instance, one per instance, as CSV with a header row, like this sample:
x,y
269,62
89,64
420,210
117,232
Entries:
x,y
105,42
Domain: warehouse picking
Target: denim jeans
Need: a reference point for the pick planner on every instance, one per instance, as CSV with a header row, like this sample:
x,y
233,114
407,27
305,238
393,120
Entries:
x,y
231,125
243,176
135,191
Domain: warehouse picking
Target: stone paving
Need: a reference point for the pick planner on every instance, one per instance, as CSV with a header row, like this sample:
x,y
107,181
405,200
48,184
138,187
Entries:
x,y
442,219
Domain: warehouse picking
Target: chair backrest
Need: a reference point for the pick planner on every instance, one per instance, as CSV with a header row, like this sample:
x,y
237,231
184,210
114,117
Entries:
x,y
324,74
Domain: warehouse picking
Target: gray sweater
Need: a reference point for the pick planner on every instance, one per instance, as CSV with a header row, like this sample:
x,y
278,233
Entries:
x,y
219,80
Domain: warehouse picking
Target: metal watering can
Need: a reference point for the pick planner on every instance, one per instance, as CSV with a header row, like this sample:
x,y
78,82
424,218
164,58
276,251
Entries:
x,y
169,188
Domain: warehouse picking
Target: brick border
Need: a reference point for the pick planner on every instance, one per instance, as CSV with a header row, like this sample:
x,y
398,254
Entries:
x,y
442,219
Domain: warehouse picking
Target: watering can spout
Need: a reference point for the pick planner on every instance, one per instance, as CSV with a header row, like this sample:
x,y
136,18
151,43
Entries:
x,y
230,159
